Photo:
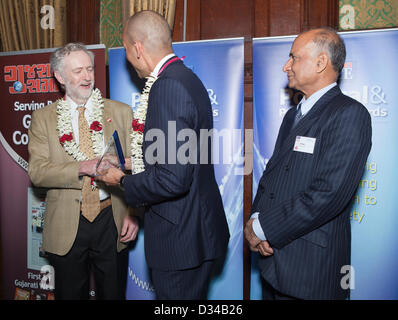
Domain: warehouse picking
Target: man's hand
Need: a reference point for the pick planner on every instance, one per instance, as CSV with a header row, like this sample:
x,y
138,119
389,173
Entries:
x,y
129,229
103,166
113,159
251,236
110,177
265,249
89,167
127,163
255,243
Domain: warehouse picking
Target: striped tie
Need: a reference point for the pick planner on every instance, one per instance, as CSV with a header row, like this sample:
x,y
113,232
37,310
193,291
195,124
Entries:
x,y
90,198
298,116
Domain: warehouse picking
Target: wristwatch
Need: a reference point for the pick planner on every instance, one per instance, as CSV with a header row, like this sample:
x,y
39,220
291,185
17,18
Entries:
x,y
121,185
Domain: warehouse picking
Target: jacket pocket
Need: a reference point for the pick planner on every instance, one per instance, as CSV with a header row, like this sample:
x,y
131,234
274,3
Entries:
x,y
167,212
318,237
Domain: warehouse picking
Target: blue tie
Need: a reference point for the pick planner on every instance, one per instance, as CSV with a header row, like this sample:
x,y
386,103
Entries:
x,y
298,116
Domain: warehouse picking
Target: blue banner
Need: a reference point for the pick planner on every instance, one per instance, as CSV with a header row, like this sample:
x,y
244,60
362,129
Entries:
x,y
369,77
219,64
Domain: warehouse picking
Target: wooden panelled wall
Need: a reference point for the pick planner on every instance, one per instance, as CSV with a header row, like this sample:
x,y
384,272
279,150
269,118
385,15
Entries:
x,y
83,21
216,19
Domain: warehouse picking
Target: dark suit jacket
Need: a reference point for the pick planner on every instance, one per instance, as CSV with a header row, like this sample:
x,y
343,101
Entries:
x,y
185,223
304,199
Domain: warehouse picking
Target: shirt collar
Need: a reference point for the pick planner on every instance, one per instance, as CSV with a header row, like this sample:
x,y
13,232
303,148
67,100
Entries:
x,y
161,63
307,104
74,105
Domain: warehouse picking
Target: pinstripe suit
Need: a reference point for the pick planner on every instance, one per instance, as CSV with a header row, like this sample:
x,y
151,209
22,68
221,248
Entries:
x,y
185,223
304,199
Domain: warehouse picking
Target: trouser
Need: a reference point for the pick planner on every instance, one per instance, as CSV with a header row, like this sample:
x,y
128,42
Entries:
x,y
93,252
269,293
188,284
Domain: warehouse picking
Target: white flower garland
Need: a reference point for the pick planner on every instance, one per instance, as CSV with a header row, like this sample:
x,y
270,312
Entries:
x,y
65,129
137,135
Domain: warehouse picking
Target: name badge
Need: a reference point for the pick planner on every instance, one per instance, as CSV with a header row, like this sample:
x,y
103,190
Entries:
x,y
304,144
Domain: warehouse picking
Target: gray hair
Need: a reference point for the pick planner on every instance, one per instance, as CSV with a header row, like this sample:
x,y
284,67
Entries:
x,y
58,56
326,39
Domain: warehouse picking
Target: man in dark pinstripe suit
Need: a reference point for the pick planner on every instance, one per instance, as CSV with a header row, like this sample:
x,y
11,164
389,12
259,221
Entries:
x,y
186,230
301,213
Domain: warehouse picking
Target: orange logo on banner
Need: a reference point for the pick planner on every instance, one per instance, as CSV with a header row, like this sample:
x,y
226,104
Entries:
x,y
26,85
26,78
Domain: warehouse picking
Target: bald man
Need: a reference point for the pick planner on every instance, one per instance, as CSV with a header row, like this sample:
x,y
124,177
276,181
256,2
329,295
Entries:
x,y
301,213
186,231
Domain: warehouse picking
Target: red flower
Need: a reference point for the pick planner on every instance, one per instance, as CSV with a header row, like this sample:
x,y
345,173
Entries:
x,y
138,126
96,126
65,137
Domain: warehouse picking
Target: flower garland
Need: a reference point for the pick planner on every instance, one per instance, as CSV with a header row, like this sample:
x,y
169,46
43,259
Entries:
x,y
65,130
137,135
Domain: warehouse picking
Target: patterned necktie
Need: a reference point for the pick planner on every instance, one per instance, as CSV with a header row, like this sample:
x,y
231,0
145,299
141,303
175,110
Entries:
x,y
90,198
298,116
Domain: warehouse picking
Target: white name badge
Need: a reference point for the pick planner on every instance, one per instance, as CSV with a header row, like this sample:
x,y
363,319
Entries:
x,y
304,144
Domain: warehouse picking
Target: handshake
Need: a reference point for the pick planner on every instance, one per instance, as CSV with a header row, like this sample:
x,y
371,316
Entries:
x,y
107,170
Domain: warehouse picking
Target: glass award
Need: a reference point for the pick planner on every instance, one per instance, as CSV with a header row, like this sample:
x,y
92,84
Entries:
x,y
113,153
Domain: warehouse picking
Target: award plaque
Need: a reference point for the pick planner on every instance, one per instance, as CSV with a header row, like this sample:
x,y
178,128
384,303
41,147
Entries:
x,y
113,152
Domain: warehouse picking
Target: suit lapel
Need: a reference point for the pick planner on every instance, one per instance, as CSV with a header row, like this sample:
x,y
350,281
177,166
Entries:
x,y
285,128
303,126
107,122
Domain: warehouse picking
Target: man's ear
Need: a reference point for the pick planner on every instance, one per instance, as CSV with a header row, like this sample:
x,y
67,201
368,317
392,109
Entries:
x,y
138,49
322,62
59,77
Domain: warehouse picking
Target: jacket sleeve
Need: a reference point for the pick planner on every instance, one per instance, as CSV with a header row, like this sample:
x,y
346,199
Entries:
x,y
44,170
338,170
165,177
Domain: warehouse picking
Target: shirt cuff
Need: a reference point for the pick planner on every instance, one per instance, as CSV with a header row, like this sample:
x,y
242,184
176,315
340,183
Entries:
x,y
257,227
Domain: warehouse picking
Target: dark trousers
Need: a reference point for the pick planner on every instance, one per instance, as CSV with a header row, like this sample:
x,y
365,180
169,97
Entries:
x,y
188,284
269,293
93,252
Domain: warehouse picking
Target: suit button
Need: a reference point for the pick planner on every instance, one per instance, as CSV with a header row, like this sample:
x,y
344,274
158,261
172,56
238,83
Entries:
x,y
271,195
286,168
